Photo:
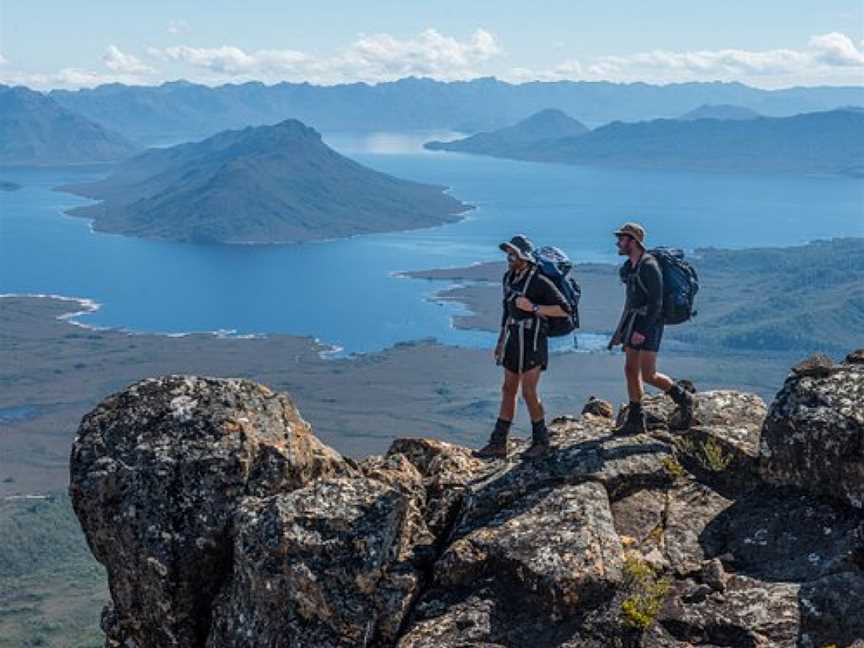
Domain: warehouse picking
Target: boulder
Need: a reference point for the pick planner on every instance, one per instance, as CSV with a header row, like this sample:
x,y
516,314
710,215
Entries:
x,y
316,568
156,473
813,437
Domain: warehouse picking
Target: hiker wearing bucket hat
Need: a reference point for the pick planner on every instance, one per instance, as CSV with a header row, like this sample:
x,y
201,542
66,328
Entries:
x,y
522,349
640,329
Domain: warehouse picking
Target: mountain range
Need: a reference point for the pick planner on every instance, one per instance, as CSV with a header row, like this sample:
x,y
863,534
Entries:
x,y
821,142
266,184
182,111
36,130
720,111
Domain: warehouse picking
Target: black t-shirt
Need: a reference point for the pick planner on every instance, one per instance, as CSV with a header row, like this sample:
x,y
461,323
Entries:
x,y
540,290
645,292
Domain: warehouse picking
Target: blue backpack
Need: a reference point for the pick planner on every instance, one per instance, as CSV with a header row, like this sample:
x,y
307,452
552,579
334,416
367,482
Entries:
x,y
680,285
555,265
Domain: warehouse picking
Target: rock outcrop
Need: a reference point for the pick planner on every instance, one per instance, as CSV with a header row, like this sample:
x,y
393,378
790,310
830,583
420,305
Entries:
x,y
814,434
224,523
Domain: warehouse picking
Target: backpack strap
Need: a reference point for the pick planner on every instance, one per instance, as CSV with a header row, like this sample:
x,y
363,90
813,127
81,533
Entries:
x,y
528,280
638,268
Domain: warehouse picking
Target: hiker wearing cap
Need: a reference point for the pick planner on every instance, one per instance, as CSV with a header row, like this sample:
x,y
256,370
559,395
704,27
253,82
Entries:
x,y
529,299
640,329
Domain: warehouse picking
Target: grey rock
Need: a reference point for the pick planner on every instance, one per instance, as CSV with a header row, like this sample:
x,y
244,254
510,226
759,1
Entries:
x,y
813,437
692,507
747,613
315,568
714,575
156,472
816,365
598,407
855,357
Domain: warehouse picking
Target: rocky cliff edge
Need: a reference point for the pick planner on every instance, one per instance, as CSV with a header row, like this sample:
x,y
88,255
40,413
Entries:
x,y
223,522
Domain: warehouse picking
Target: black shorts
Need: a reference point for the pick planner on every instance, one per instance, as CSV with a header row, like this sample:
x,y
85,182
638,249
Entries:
x,y
526,351
653,337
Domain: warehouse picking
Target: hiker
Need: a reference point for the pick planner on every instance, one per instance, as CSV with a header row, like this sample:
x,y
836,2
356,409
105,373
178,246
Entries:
x,y
640,330
530,298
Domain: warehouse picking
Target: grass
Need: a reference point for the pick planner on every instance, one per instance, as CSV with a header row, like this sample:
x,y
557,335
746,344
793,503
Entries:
x,y
51,588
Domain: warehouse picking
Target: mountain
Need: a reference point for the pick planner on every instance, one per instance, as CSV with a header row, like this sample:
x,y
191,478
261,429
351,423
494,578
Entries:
x,y
219,517
36,130
722,111
823,142
183,111
545,125
265,184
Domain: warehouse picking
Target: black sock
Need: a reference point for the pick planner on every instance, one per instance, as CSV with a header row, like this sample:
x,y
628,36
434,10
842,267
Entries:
x,y
503,425
636,408
538,425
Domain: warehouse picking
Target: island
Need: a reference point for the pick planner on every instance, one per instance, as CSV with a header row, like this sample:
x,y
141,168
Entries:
x,y
6,185
258,185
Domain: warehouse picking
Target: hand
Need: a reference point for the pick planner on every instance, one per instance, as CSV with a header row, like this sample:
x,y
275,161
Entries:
x,y
523,303
637,339
499,352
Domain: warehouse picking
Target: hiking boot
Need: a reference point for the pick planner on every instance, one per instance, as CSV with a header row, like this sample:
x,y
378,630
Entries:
x,y
683,416
497,446
635,423
539,440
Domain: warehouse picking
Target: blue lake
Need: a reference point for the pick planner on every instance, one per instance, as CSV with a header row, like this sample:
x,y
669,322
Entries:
x,y
344,292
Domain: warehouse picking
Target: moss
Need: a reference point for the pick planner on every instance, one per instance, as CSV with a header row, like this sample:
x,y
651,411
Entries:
x,y
646,592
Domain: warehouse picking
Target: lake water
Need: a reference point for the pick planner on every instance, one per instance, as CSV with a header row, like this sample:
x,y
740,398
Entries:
x,y
344,292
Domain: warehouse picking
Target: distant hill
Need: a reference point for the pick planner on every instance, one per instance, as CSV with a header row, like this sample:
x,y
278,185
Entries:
x,y
266,184
545,125
724,111
36,130
6,185
180,110
824,142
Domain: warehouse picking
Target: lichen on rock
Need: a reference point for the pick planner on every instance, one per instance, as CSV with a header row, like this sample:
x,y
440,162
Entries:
x,y
223,522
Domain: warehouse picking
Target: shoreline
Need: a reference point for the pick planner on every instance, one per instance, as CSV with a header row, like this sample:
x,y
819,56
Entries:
x,y
90,306
357,405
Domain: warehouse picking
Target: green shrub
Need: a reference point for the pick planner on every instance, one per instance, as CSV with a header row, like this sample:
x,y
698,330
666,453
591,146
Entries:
x,y
646,592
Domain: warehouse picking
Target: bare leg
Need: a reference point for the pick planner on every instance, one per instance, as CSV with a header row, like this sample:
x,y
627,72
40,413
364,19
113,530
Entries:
x,y
648,366
530,381
632,372
509,392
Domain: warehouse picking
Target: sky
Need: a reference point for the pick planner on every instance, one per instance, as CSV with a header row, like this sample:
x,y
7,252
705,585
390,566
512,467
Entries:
x,y
48,44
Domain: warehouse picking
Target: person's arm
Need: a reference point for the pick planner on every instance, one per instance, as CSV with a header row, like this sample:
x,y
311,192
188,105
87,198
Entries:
x,y
551,303
651,281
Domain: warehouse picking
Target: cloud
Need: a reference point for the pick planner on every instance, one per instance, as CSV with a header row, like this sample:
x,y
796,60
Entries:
x,y
836,49
118,61
230,60
381,56
178,27
375,57
3,60
827,57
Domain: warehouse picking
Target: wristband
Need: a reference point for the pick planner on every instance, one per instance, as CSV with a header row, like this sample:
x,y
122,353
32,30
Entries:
x,y
535,308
